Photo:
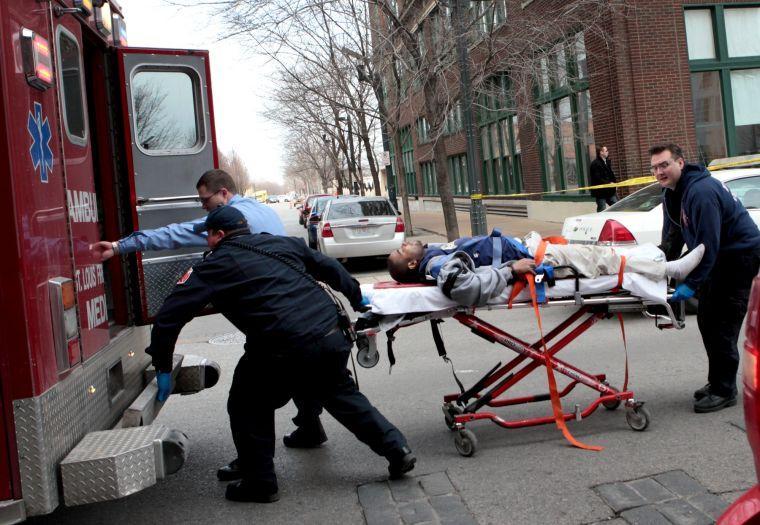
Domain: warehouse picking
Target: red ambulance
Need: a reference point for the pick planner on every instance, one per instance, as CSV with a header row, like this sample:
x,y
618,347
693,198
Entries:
x,y
96,140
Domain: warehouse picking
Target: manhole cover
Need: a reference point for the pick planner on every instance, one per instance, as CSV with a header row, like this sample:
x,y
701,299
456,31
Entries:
x,y
232,338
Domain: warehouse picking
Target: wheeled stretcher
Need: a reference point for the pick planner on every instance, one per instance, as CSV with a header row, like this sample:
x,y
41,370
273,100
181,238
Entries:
x,y
397,306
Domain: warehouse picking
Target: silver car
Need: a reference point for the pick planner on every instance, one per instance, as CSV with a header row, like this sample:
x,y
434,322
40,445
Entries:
x,y
359,227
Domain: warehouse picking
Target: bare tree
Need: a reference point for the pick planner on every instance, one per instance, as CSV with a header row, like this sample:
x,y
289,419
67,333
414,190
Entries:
x,y
156,128
233,164
407,55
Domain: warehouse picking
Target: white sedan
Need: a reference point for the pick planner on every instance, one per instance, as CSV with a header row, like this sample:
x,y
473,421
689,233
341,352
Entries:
x,y
359,227
637,218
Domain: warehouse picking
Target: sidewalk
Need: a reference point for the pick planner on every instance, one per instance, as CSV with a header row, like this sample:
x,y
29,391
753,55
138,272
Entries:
x,y
429,226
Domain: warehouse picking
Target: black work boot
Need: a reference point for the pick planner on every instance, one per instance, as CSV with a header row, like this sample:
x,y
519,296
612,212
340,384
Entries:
x,y
252,492
303,437
713,402
400,462
702,392
230,472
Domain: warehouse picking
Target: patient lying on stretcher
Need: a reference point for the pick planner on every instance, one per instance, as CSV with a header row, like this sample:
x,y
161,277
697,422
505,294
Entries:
x,y
471,271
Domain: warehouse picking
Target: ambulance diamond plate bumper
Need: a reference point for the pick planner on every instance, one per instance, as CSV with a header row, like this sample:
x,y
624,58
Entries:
x,y
49,425
112,464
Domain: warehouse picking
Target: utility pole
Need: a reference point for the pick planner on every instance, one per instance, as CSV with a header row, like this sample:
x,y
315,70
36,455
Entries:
x,y
477,210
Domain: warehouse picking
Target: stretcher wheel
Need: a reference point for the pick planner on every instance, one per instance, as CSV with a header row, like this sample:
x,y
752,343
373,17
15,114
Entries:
x,y
450,410
465,442
611,405
366,358
638,418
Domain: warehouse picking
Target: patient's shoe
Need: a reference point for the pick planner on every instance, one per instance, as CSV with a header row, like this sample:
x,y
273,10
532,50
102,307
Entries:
x,y
681,268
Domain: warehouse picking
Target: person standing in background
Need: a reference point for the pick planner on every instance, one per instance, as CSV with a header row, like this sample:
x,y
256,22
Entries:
x,y
600,172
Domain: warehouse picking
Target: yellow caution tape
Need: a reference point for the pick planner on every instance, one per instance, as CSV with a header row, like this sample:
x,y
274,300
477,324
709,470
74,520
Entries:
x,y
747,161
636,181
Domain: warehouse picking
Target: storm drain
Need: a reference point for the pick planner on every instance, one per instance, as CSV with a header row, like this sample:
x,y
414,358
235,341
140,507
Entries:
x,y
232,338
421,499
669,498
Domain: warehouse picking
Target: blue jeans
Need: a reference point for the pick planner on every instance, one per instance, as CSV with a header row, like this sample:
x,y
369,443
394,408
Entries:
x,y
602,202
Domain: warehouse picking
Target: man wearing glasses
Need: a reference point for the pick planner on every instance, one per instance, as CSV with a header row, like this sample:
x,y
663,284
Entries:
x,y
215,188
699,209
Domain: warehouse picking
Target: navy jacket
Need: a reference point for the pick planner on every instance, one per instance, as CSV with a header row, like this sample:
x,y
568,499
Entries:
x,y
480,249
273,304
708,213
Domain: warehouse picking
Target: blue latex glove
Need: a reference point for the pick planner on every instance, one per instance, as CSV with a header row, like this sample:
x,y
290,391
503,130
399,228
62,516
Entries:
x,y
164,380
682,293
365,300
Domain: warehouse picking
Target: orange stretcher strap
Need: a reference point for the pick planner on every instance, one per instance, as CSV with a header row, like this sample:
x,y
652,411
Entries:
x,y
519,285
553,392
621,271
625,348
540,252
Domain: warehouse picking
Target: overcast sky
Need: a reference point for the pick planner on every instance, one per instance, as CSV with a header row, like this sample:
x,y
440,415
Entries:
x,y
239,83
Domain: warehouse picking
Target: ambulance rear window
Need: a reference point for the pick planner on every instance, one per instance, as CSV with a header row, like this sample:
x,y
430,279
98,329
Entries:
x,y
166,111
71,85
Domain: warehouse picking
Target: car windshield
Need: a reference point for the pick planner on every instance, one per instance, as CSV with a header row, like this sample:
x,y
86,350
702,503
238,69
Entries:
x,y
643,200
347,210
319,204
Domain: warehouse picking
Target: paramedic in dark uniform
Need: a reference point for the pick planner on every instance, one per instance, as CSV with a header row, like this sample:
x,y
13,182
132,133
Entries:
x,y
267,286
217,188
706,212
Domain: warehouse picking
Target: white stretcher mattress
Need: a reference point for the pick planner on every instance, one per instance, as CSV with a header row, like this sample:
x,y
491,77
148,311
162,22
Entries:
x,y
395,301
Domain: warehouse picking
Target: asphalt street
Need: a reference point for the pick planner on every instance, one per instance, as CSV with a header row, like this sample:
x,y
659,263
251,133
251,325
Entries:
x,y
518,476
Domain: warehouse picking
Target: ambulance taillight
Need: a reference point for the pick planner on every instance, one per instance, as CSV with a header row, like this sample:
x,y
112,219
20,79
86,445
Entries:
x,y
37,56
63,314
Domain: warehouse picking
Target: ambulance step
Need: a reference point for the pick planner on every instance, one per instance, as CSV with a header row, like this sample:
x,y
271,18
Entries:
x,y
112,464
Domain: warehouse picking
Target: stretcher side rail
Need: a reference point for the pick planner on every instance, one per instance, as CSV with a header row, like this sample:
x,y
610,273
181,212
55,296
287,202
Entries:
x,y
612,304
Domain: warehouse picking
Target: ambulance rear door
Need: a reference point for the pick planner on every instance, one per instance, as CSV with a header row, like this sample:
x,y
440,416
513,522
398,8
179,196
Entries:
x,y
168,113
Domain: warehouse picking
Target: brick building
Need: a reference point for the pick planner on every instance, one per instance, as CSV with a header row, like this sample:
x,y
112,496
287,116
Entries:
x,y
685,71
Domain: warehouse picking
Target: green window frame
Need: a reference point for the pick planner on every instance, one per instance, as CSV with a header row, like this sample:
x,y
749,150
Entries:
x,y
714,81
457,165
407,156
499,138
563,103
423,130
454,120
429,182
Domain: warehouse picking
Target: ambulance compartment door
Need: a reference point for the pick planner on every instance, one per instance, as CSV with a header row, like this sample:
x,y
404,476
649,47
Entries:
x,y
166,97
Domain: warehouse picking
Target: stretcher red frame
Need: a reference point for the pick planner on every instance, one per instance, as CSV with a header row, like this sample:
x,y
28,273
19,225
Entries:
x,y
490,390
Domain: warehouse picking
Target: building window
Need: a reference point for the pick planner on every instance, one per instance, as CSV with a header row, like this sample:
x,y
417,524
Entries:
x,y
423,130
724,59
488,14
742,37
699,34
453,122
458,174
429,182
707,102
565,120
407,156
499,142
